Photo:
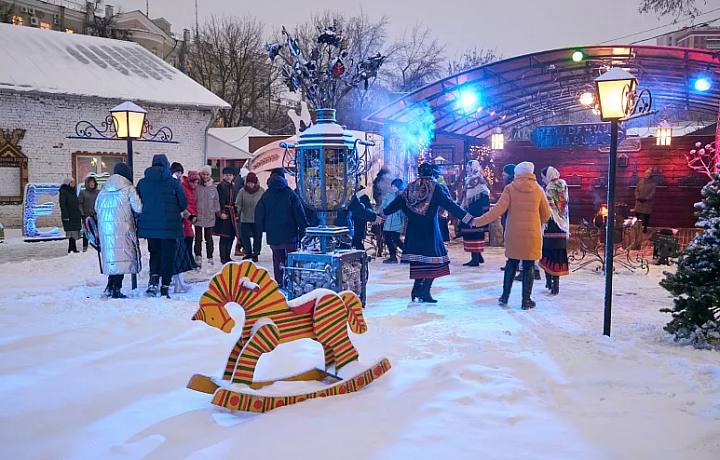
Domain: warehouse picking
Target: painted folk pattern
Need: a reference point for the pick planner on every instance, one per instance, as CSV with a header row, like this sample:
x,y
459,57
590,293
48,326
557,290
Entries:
x,y
258,403
326,322
264,340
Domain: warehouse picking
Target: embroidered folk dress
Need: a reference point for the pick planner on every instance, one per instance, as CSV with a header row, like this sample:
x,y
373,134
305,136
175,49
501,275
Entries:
x,y
424,247
477,202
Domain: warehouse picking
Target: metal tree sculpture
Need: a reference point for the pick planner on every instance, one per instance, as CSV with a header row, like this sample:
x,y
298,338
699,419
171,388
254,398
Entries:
x,y
328,74
704,159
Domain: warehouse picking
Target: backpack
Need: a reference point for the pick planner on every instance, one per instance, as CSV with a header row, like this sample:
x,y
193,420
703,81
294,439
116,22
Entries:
x,y
91,232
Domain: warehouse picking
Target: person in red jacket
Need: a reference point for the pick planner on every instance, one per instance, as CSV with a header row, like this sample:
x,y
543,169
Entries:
x,y
190,183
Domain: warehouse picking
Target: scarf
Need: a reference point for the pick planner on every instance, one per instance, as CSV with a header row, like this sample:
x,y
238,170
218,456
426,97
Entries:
x,y
557,197
418,194
252,190
475,184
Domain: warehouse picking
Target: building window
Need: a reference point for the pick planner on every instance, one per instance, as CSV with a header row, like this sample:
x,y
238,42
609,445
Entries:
x,y
18,20
86,163
45,26
70,31
712,43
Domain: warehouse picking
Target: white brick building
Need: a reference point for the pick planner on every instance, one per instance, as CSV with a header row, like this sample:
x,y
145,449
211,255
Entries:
x,y
49,81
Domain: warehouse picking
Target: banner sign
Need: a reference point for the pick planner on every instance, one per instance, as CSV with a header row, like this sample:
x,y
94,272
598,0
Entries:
x,y
580,135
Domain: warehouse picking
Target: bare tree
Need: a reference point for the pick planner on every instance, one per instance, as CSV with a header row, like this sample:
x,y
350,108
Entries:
x,y
7,11
417,59
229,58
669,7
104,26
471,59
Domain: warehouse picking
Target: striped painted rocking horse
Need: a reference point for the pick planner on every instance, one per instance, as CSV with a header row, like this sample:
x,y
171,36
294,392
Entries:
x,y
321,315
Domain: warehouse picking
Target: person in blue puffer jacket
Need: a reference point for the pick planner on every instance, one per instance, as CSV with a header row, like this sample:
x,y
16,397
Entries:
x,y
160,222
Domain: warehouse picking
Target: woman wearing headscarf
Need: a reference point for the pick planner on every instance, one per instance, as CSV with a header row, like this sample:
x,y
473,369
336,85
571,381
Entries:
x,y
645,198
477,201
424,247
527,210
556,231
70,213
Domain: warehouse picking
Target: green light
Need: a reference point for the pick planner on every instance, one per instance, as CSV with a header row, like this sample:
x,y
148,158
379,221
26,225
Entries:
x,y
578,56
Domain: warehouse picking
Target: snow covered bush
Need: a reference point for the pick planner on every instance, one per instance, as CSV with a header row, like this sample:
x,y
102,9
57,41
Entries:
x,y
696,283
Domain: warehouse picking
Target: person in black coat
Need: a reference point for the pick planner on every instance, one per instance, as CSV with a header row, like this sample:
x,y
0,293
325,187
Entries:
x,y
424,247
361,212
160,221
279,214
226,220
70,213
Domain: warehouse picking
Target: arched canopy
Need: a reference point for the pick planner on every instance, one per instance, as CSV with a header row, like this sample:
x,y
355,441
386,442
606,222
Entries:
x,y
524,91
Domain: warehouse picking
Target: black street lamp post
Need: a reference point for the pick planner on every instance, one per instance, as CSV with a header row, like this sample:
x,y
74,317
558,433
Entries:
x,y
618,101
127,122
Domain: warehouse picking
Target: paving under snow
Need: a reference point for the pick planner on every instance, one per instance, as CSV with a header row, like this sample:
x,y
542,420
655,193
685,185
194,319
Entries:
x,y
87,378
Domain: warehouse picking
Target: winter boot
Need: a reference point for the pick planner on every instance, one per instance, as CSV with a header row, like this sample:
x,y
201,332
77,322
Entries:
x,y
165,291
152,289
537,274
417,288
507,284
256,258
425,293
480,258
555,289
117,286
474,260
528,278
198,261
548,281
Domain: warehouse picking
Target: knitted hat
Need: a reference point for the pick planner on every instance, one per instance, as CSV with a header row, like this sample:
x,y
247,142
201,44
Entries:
x,y
509,169
207,169
193,175
228,170
524,168
251,177
123,169
176,167
67,180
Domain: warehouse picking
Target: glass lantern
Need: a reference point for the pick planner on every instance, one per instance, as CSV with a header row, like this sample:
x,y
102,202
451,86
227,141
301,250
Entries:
x,y
326,166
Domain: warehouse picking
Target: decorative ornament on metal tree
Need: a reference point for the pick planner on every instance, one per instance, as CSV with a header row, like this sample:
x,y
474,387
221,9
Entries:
x,y
328,74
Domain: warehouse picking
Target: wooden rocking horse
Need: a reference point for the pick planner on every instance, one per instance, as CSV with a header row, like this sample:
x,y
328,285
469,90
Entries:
x,y
270,320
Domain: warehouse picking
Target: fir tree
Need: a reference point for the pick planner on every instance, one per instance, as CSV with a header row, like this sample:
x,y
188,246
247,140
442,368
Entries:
x,y
696,283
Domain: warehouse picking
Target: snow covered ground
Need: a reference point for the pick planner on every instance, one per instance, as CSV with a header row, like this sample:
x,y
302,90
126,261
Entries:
x,y
87,378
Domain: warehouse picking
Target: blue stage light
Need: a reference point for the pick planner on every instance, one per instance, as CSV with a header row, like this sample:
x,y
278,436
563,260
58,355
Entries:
x,y
468,100
702,84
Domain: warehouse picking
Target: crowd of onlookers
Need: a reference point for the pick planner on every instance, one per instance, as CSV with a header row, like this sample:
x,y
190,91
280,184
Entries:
x,y
176,213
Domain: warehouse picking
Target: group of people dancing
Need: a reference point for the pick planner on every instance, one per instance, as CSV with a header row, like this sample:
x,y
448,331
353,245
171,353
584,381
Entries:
x,y
536,226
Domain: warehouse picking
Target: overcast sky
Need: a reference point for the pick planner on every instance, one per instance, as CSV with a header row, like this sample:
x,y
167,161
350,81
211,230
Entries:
x,y
512,27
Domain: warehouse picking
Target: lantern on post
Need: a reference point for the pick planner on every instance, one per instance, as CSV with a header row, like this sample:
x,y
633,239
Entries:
x,y
618,101
497,140
664,133
129,122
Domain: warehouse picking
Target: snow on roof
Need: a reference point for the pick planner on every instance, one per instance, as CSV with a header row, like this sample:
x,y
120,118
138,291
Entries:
x,y
45,61
231,143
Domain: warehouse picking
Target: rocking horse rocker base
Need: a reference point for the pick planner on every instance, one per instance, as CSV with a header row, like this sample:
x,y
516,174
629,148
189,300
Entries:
x,y
249,400
321,315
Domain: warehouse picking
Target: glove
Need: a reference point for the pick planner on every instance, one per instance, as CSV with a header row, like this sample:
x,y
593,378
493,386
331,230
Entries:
x,y
192,218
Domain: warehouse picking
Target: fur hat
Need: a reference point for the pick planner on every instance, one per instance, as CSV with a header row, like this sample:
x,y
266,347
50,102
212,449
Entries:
x,y
228,170
176,167
123,169
525,168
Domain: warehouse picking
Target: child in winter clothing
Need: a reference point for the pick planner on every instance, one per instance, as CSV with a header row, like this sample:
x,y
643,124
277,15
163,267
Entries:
x,y
394,223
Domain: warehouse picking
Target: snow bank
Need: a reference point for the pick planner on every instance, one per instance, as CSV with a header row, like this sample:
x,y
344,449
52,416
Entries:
x,y
88,378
